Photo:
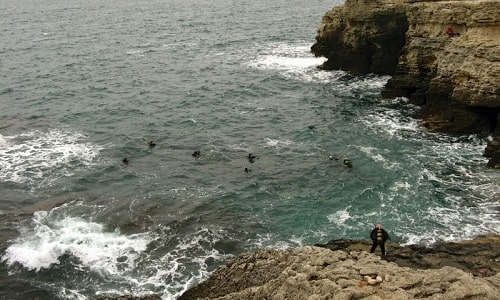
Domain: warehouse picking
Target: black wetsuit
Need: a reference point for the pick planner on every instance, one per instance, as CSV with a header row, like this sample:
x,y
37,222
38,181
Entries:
x,y
379,236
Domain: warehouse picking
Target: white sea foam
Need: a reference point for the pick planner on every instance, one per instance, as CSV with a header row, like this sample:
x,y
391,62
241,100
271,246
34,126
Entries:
x,y
277,143
2,140
38,157
401,185
269,240
69,294
379,155
50,238
186,264
392,122
239,147
293,61
459,206
340,217
292,64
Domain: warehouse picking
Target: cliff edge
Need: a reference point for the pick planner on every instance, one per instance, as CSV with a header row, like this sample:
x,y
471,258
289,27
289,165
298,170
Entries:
x,y
454,76
343,269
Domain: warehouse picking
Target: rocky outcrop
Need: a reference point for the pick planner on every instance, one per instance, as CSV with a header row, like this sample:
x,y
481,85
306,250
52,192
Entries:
x,y
362,36
456,78
344,269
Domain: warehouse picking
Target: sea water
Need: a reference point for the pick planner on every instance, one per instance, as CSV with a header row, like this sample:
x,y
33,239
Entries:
x,y
85,84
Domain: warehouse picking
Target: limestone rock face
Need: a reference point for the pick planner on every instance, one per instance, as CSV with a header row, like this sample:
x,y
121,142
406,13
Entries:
x,y
362,36
456,79
320,273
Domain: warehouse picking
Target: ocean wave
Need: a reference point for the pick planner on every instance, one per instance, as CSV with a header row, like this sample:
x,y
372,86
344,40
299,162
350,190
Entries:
x,y
42,246
292,61
114,263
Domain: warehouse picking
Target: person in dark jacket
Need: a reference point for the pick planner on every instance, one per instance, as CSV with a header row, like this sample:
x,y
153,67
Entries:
x,y
379,236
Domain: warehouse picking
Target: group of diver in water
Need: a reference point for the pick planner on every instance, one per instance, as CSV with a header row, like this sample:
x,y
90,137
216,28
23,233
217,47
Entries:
x,y
251,157
378,235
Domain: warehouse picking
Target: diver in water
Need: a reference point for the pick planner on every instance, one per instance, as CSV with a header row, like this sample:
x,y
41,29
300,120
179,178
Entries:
x,y
331,157
347,162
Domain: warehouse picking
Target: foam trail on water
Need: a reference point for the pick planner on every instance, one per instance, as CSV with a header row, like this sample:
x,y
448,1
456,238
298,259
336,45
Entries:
x,y
276,143
37,158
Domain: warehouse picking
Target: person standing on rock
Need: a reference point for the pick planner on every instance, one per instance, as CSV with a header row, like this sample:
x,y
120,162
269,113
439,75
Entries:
x,y
379,236
450,33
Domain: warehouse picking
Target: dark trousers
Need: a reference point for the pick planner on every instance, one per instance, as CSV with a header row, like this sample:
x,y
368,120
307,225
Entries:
x,y
375,244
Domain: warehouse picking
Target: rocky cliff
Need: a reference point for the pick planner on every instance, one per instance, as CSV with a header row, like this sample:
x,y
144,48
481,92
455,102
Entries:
x,y
455,78
343,269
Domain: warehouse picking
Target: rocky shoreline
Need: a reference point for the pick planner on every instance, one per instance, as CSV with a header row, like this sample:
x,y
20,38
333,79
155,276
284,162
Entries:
x,y
455,78
343,269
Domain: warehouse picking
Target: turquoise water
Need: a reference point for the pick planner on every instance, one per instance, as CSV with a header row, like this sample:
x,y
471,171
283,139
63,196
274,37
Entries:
x,y
86,83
